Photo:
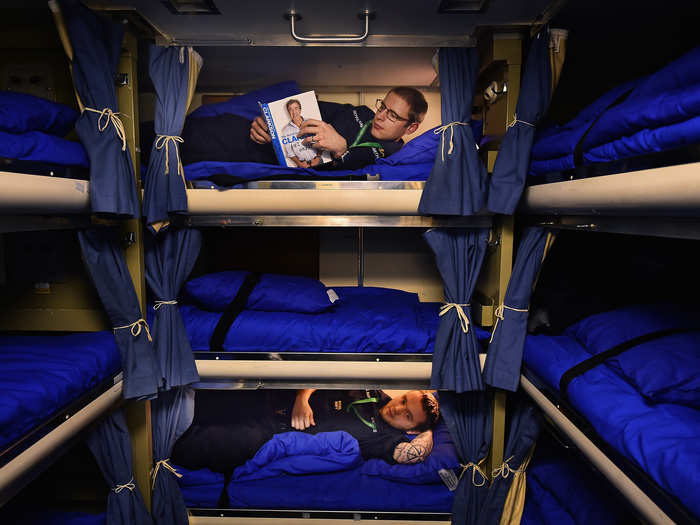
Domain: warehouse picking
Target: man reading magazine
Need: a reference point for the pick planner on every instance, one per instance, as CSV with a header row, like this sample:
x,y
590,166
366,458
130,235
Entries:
x,y
355,136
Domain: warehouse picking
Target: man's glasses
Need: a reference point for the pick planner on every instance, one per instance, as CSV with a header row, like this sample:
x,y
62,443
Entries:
x,y
390,113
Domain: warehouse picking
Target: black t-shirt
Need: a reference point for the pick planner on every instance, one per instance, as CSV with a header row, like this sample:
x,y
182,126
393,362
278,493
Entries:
x,y
348,121
331,413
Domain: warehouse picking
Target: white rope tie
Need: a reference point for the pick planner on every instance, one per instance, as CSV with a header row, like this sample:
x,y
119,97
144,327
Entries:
x,y
167,466
499,316
136,327
128,485
158,304
110,117
461,315
442,130
475,468
162,141
504,470
516,120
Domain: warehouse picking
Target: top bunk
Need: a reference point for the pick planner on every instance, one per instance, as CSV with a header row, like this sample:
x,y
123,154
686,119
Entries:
x,y
396,50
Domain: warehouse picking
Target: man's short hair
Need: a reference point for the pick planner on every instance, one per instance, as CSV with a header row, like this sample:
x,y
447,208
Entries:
x,y
415,100
290,102
432,411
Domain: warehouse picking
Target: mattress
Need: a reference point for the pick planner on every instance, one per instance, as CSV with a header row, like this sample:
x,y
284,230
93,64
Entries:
x,y
657,113
40,375
366,319
642,424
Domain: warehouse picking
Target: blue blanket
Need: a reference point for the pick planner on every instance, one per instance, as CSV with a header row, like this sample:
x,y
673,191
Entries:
x,y
297,453
412,162
42,147
39,375
661,112
365,320
661,437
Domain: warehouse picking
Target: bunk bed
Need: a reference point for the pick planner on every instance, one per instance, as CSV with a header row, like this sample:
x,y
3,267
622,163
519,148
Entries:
x,y
619,411
637,401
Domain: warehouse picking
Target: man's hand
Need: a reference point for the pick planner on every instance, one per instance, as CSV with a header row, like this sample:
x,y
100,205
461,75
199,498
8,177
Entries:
x,y
302,415
259,132
322,136
414,451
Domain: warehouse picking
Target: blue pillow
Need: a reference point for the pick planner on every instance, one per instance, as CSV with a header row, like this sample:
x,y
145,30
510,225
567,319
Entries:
x,y
274,293
20,112
443,456
665,370
246,106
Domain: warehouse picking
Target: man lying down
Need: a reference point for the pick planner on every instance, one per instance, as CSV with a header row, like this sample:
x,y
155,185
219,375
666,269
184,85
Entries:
x,y
229,427
355,136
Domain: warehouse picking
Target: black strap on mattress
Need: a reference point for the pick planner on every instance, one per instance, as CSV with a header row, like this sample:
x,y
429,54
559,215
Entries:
x,y
578,150
592,362
216,342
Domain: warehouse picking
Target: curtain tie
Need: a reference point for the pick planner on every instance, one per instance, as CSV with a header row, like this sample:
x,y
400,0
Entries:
x,y
158,304
504,470
162,141
475,468
136,327
442,130
499,316
461,314
128,485
107,117
167,466
516,120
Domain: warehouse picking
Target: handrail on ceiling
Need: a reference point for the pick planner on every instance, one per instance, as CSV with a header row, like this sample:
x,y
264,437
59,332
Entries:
x,y
293,16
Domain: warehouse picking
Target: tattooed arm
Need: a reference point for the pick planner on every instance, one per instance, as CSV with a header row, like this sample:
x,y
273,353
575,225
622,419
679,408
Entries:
x,y
414,451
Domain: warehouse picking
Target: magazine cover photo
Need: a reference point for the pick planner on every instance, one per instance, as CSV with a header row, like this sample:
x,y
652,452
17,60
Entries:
x,y
286,116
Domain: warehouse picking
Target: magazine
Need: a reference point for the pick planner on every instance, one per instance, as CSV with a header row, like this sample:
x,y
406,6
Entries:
x,y
283,119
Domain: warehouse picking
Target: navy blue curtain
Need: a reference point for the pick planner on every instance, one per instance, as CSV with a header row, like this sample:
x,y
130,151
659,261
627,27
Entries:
x,y
468,418
105,262
96,44
164,186
170,419
510,171
523,429
459,254
111,446
458,182
505,353
170,257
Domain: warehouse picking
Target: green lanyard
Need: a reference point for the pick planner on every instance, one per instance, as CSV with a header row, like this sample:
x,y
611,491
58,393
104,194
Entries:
x,y
358,144
370,424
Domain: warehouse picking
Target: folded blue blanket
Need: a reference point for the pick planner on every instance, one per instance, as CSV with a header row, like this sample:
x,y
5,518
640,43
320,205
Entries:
x,y
300,453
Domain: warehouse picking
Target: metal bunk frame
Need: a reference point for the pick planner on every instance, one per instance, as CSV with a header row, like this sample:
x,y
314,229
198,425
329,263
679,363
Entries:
x,y
33,203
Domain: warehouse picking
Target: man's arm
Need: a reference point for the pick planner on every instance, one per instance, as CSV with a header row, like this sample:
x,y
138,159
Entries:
x,y
414,451
302,414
